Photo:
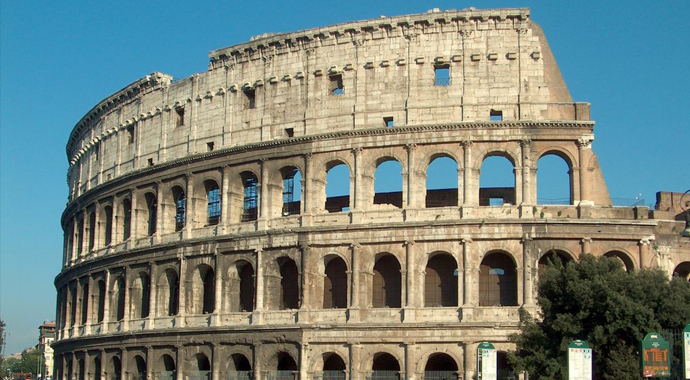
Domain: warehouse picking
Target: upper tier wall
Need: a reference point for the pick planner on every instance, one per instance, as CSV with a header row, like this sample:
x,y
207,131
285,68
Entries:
x,y
281,86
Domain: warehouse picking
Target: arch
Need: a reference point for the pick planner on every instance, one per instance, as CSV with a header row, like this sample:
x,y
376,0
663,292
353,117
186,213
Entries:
x,y
291,190
623,257
337,187
335,283
126,211
212,201
97,368
202,362
115,369
682,270
440,366
168,293
386,289
138,368
554,179
441,281
497,179
167,367
107,230
497,280
203,290
117,313
84,302
333,367
92,230
385,367
241,284
250,204
553,256
100,300
388,182
286,362
141,295
180,206
72,304
151,212
240,363
442,181
289,284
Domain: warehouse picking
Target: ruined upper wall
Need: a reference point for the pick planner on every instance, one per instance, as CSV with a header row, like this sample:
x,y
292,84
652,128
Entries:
x,y
281,87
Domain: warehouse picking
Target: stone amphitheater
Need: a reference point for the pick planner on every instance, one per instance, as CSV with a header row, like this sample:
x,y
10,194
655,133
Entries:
x,y
227,225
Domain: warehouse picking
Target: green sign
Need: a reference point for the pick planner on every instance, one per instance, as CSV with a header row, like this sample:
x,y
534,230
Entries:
x,y
486,361
579,360
686,351
654,356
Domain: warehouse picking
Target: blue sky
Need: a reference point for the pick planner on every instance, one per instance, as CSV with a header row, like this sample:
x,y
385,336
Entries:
x,y
630,59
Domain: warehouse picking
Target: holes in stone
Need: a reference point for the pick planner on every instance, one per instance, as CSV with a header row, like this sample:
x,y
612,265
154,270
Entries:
x,y
290,132
250,98
497,181
213,202
292,191
337,187
150,161
179,116
442,182
336,85
442,75
130,134
209,146
388,183
496,115
388,122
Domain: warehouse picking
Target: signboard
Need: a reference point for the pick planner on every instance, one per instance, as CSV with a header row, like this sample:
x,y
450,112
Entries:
x,y
579,360
654,356
486,361
686,352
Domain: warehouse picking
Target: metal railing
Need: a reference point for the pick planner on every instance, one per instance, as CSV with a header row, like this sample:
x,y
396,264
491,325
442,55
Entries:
x,y
383,375
240,375
440,375
330,375
165,375
199,375
282,375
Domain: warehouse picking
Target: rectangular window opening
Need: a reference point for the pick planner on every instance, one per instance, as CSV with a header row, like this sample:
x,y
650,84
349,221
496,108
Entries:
x,y
96,152
130,134
150,161
251,99
179,116
495,201
290,132
336,85
388,121
495,115
442,75
209,146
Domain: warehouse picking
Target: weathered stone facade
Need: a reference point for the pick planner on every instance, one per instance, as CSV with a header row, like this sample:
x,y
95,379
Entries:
x,y
200,239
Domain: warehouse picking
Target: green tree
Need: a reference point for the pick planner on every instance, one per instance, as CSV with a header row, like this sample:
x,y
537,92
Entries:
x,y
597,301
2,346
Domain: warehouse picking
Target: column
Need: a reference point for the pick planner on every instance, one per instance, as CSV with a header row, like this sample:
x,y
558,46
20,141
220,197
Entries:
x,y
470,359
353,312
128,298
259,288
182,292
303,360
586,245
305,303
467,298
527,277
527,187
410,194
410,361
356,201
114,231
256,362
218,297
470,199
355,373
153,293
149,362
646,256
409,288
263,197
216,364
584,146
160,213
106,302
189,207
134,220
104,364
179,363
307,186
224,199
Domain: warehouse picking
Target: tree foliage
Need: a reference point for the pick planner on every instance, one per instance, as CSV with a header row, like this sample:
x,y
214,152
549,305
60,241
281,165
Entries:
x,y
597,301
28,362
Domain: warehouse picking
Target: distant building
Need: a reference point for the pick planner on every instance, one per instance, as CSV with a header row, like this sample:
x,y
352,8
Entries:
x,y
46,337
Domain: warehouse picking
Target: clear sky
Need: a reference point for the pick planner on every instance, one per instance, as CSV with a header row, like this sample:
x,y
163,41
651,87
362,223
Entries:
x,y
630,59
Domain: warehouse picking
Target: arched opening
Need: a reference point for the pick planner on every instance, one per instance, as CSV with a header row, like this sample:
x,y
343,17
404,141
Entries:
x,y
553,257
337,187
442,182
440,366
292,191
333,367
80,369
682,271
250,205
118,300
504,370
72,304
496,181
441,282
139,369
554,186
497,280
289,284
203,290
241,284
168,293
167,368
96,368
84,302
286,362
141,295
92,230
385,367
240,368
623,258
108,230
100,301
388,183
335,284
152,211
126,218
213,202
79,236
386,289
70,372
115,369
180,201
201,369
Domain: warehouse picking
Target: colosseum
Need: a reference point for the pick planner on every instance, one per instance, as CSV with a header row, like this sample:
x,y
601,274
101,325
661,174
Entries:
x,y
228,225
